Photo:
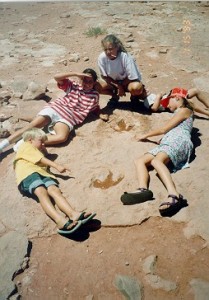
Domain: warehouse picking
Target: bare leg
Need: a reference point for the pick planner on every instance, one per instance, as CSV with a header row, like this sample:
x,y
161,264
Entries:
x,y
159,164
62,203
49,208
201,96
62,132
39,122
200,110
142,172
135,88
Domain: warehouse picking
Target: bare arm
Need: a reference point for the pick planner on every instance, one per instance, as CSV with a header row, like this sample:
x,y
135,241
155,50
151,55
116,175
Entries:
x,y
119,88
180,116
49,163
156,104
109,80
60,77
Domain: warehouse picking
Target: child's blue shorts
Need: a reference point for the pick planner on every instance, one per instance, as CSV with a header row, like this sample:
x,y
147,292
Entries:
x,y
30,183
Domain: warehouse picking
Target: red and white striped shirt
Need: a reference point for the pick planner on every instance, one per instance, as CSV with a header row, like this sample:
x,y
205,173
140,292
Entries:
x,y
77,102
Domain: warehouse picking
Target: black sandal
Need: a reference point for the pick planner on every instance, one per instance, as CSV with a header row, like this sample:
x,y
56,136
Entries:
x,y
174,206
140,196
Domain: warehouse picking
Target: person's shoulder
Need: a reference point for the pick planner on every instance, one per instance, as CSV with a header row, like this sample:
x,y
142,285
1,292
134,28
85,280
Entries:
x,y
185,112
102,55
24,148
126,56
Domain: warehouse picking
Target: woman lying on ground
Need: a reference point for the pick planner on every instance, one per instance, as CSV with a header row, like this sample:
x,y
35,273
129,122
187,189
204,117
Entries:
x,y
176,147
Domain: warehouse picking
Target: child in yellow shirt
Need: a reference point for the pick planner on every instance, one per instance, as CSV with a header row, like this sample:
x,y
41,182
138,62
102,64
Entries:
x,y
34,178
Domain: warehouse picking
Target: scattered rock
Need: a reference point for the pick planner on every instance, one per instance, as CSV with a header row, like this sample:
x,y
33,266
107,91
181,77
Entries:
x,y
65,15
149,264
74,57
157,282
4,133
130,287
200,288
13,248
163,51
34,92
153,75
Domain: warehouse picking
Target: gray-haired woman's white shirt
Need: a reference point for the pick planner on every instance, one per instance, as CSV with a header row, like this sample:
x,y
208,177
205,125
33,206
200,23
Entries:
x,y
123,66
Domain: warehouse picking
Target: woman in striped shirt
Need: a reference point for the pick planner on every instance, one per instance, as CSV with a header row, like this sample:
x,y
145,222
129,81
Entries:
x,y
65,112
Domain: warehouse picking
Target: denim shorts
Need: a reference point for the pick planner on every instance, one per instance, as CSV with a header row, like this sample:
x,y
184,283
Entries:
x,y
30,183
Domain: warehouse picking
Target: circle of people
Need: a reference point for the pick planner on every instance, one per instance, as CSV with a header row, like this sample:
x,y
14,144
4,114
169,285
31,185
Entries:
x,y
119,74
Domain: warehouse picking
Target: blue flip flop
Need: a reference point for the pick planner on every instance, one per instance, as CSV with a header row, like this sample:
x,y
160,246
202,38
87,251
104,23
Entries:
x,y
83,219
65,230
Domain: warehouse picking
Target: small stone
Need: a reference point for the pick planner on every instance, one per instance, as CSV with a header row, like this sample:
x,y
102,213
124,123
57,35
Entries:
x,y
180,29
66,291
104,117
163,51
153,75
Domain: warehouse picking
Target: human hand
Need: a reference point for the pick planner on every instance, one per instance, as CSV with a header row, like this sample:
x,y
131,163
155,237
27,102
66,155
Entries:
x,y
147,91
62,168
121,91
142,138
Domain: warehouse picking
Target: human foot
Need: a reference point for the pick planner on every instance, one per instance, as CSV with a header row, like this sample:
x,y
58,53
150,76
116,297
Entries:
x,y
85,217
69,227
168,209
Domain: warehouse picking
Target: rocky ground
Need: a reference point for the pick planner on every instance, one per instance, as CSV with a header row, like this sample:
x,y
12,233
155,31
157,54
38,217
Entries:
x,y
127,252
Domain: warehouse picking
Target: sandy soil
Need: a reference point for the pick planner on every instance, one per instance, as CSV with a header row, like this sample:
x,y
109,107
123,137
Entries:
x,y
85,266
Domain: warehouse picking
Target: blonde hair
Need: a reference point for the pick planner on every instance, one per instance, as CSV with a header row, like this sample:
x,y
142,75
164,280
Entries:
x,y
34,133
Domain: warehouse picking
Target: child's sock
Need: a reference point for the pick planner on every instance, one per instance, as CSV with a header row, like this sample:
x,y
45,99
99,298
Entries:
x,y
4,144
17,145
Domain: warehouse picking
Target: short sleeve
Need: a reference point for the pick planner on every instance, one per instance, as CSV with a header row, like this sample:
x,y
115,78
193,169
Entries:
x,y
102,64
65,86
27,152
131,67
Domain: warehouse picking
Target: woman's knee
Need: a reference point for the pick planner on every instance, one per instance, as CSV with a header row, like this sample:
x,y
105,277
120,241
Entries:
x,y
159,161
192,93
62,138
135,88
155,162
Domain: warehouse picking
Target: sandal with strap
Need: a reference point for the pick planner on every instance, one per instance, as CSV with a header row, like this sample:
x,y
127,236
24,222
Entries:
x,y
139,196
174,206
66,230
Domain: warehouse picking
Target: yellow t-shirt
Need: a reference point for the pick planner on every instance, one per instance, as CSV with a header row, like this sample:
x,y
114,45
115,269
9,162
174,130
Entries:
x,y
27,162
